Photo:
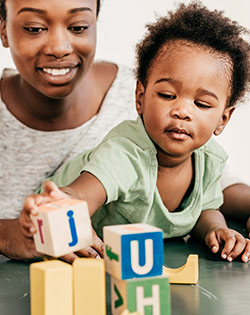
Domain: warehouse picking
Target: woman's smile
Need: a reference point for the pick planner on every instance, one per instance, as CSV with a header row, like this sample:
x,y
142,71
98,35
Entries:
x,y
58,76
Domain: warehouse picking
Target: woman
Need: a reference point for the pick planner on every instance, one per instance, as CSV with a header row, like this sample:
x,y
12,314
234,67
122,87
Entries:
x,y
59,92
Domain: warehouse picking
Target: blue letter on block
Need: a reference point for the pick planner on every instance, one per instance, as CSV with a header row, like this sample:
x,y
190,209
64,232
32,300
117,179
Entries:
x,y
72,226
141,255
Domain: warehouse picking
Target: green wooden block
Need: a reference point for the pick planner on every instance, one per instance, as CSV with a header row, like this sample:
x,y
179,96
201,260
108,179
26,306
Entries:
x,y
147,296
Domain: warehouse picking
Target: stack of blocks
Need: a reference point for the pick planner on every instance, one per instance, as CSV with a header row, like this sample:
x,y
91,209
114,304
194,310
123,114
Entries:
x,y
134,258
57,288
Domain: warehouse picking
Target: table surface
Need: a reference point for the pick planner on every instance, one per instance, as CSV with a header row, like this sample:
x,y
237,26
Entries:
x,y
223,287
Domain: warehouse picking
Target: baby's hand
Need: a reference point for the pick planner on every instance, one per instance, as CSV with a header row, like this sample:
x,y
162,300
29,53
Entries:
x,y
32,202
94,251
248,226
234,244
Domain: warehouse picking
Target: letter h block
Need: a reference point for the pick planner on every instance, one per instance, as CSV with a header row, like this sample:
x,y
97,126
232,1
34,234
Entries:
x,y
149,296
133,251
62,227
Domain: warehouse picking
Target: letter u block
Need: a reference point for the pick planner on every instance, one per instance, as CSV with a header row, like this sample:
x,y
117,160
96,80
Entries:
x,y
133,250
63,227
148,296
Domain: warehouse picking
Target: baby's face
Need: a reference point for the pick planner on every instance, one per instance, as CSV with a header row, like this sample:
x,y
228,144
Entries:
x,y
184,100
52,42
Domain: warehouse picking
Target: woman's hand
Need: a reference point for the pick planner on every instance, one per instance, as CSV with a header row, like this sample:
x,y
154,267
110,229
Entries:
x,y
13,244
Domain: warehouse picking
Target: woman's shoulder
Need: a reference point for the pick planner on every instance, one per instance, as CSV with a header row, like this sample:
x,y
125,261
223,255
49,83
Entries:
x,y
8,75
109,72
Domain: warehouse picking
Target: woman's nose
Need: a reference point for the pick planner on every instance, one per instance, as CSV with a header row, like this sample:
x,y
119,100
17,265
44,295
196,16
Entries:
x,y
58,45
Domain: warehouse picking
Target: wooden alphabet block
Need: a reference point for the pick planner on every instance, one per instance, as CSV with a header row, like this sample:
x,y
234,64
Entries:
x,y
149,296
62,227
133,250
51,288
89,286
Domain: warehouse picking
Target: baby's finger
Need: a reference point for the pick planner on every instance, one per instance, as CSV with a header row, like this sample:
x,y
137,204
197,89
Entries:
x,y
27,229
98,245
212,242
88,252
248,226
30,205
230,241
238,248
69,257
246,255
52,190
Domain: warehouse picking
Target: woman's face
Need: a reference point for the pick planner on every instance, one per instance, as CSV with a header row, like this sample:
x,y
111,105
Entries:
x,y
52,42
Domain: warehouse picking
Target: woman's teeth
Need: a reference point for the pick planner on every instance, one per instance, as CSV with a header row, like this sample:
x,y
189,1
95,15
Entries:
x,y
56,71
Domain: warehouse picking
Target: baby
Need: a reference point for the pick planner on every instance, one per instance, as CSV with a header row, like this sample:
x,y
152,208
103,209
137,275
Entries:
x,y
164,168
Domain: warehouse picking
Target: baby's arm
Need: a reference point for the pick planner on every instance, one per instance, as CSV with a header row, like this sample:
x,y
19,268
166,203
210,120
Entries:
x,y
237,203
212,228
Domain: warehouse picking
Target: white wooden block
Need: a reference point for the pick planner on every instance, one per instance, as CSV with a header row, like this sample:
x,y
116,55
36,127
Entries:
x,y
144,295
133,250
63,227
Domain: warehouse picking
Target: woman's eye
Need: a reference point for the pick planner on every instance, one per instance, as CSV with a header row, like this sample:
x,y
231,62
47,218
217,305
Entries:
x,y
202,105
78,29
34,30
167,96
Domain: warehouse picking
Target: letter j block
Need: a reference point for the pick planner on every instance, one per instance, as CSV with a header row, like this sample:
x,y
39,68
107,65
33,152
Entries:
x,y
133,250
62,226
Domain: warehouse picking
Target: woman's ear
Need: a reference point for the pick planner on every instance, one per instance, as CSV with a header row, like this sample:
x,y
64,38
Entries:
x,y
139,96
224,120
4,36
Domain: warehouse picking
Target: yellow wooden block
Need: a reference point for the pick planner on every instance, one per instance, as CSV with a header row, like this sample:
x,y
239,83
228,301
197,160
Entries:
x,y
51,288
186,274
89,286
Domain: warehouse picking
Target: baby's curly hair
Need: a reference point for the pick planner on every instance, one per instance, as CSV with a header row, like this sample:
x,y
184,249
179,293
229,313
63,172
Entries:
x,y
3,9
195,23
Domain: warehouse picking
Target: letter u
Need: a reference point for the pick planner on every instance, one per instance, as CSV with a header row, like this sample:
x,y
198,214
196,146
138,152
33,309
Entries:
x,y
142,270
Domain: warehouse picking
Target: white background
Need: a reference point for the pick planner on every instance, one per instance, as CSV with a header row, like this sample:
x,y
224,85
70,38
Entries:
x,y
120,26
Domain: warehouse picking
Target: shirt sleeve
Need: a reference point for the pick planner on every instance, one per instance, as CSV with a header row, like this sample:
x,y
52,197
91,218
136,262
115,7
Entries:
x,y
214,164
69,171
119,165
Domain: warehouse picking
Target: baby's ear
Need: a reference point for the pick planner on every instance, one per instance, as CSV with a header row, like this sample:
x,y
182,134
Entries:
x,y
139,96
4,36
224,120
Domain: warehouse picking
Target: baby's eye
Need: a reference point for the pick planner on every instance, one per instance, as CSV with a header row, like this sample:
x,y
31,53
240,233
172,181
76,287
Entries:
x,y
202,105
167,96
78,29
34,30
